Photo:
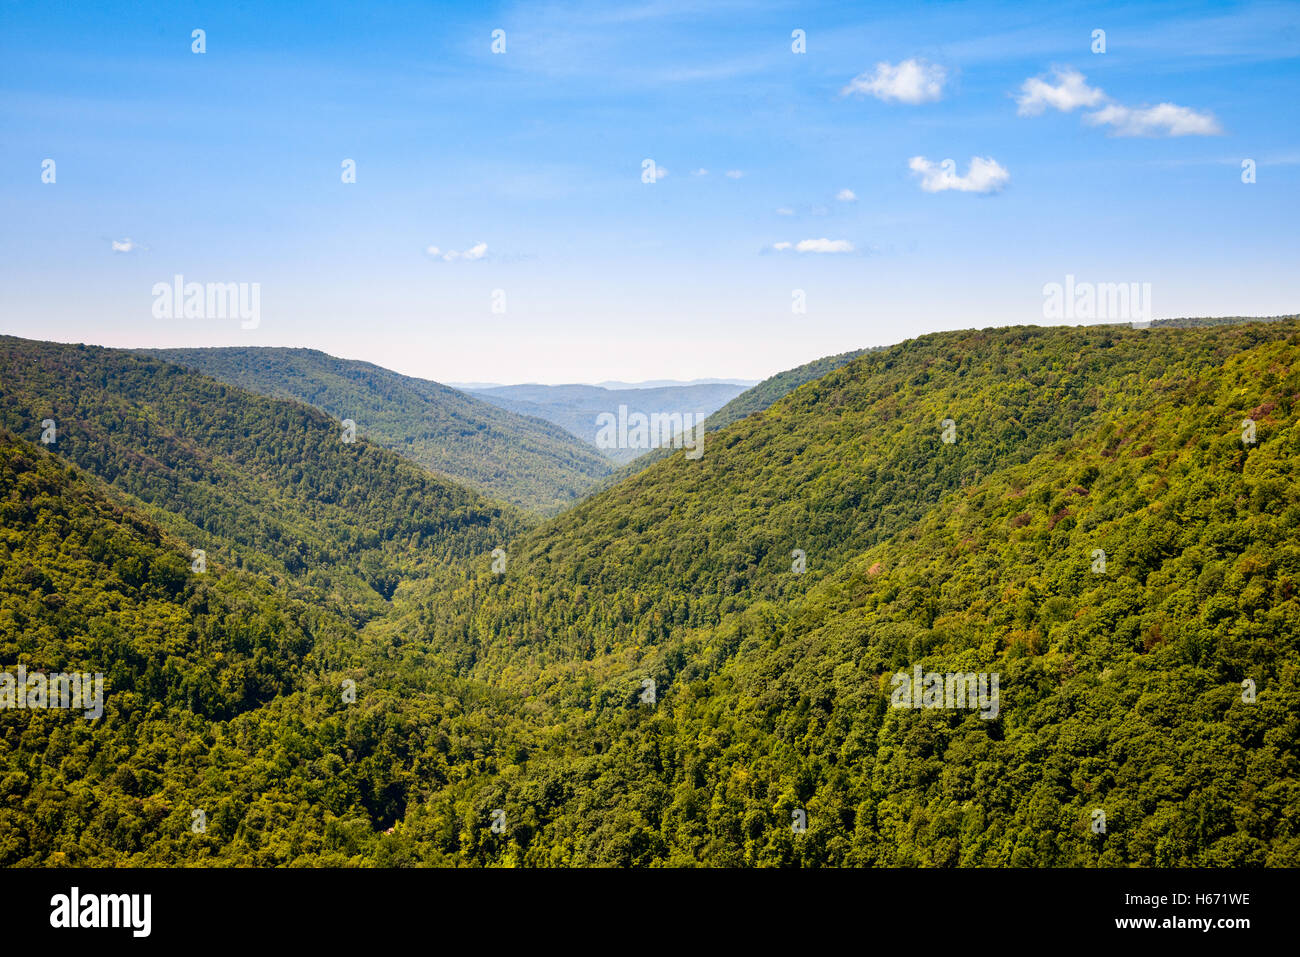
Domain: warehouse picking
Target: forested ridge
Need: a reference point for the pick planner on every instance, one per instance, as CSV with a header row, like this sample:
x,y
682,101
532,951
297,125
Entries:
x,y
526,461
222,695
258,483
502,718
748,402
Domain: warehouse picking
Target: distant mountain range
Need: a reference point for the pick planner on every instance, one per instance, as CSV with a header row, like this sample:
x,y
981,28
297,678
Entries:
x,y
532,445
614,384
516,458
577,408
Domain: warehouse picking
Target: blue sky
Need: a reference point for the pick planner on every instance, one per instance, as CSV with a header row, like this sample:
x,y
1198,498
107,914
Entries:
x,y
225,166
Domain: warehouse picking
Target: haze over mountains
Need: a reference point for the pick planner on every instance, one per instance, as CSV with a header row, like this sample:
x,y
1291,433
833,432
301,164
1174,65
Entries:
x,y
380,666
578,408
533,446
615,384
516,458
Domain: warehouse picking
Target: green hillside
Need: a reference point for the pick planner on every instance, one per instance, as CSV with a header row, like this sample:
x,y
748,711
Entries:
x,y
1121,692
221,696
507,719
752,400
258,483
518,459
775,387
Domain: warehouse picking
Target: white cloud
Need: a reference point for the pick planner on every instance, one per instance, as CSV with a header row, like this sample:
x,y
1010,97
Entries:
x,y
816,246
983,175
734,174
700,172
912,81
124,245
785,211
847,196
477,251
824,246
1166,119
1070,92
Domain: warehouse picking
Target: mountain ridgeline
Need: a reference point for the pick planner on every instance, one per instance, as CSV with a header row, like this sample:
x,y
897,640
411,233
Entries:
x,y
272,486
698,665
517,458
752,400
1098,532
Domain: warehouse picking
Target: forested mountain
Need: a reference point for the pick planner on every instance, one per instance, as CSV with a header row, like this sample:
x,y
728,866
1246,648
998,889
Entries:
x,y
1122,690
1104,518
577,407
520,459
1198,322
225,735
775,387
752,400
257,483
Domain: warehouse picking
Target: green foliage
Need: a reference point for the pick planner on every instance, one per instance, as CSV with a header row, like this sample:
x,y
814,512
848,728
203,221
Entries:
x,y
519,459
1120,691
776,387
1199,322
747,403
261,484
221,694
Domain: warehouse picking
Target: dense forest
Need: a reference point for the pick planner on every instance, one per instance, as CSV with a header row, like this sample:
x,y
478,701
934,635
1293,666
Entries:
x,y
747,403
268,485
675,669
519,459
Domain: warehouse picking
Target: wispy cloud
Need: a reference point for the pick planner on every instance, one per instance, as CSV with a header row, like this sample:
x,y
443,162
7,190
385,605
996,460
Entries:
x,y
912,81
983,175
1165,119
477,251
816,246
847,196
734,174
638,45
1071,91
124,245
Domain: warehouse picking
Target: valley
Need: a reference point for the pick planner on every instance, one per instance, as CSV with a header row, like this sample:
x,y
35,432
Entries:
x,y
498,658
